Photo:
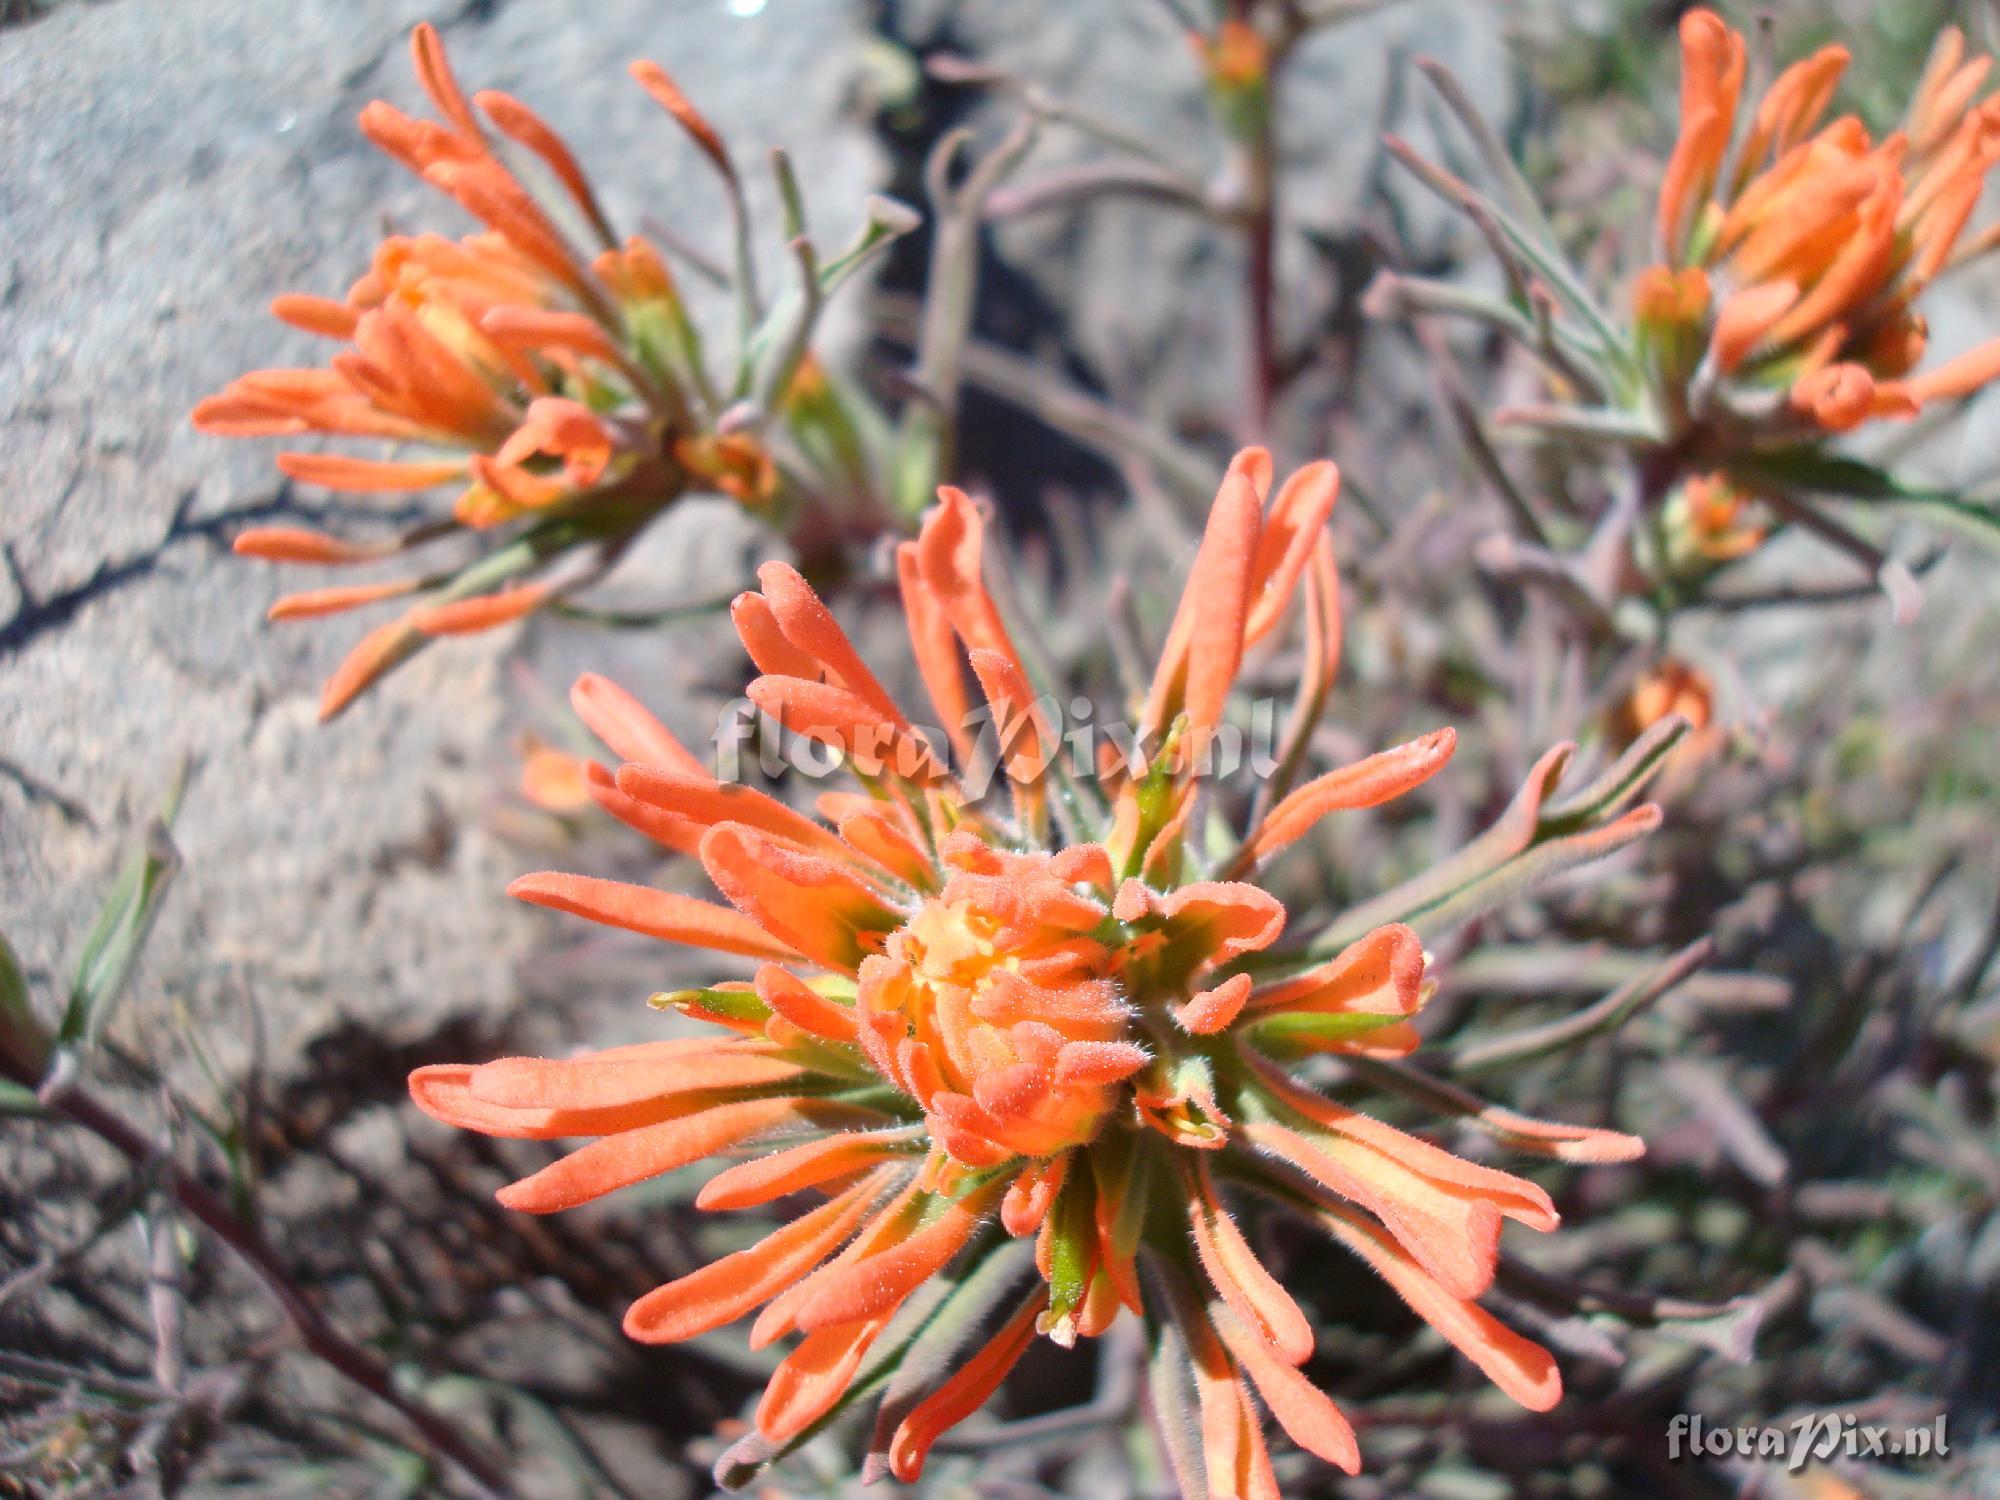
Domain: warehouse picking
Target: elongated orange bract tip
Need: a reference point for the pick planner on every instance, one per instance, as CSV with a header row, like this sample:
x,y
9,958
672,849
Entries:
x,y
521,124
968,1389
1958,377
627,727
827,1159
1521,1368
434,72
1308,1417
469,616
1712,65
1234,1270
320,315
658,914
1745,318
1368,783
880,1282
378,653
233,414
297,544
725,1290
1293,528
554,780
537,328
634,1155
1379,974
655,80
1214,1010
1205,643
317,603
338,471
802,1005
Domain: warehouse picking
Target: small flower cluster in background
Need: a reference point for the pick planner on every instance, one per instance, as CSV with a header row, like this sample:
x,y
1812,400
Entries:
x,y
567,388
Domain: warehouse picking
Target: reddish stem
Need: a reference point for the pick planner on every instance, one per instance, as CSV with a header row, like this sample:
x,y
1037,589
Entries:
x,y
319,1336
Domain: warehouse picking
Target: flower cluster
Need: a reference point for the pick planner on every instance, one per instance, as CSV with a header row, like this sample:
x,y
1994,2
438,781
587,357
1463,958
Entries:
x,y
1779,309
1794,250
556,386
1064,1024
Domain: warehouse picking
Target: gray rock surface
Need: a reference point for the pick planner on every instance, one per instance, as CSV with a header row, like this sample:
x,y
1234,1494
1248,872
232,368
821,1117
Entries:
x,y
164,170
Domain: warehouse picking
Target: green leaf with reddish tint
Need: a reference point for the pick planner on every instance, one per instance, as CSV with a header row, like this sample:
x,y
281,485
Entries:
x,y
1301,1034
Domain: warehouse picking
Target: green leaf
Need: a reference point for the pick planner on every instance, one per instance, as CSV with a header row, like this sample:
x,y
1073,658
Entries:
x,y
1729,1328
1546,859
1976,523
21,1034
1174,1408
1815,472
1611,425
1618,784
1493,153
887,219
119,934
1808,471
1072,1245
1513,1048
13,987
1299,1035
733,1005
644,619
1535,839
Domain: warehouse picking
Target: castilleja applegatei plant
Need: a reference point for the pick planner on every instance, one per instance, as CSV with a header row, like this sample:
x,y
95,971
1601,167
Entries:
x,y
564,390
1068,1023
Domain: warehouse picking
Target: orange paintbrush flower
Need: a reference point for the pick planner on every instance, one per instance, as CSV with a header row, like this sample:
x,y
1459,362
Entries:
x,y
1669,686
542,366
1710,520
1795,248
1062,1023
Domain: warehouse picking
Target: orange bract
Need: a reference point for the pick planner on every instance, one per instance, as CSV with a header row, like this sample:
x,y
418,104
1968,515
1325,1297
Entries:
x,y
969,1025
544,370
1670,686
1796,249
465,344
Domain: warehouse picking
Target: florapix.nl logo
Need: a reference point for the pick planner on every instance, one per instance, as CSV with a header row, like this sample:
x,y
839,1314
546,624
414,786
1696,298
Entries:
x,y
1049,737
1814,1438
